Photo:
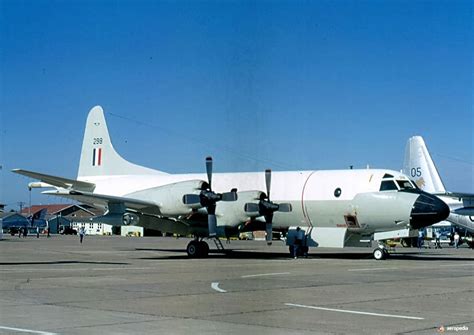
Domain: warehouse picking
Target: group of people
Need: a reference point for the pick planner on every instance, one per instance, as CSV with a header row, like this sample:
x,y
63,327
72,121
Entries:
x,y
455,239
23,231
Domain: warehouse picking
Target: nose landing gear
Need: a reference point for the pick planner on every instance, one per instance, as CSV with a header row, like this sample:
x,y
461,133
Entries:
x,y
380,253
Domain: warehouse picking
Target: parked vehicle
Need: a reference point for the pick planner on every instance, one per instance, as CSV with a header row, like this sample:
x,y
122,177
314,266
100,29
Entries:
x,y
13,231
68,231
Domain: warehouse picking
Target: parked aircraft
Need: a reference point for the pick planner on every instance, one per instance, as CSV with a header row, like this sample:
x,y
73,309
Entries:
x,y
419,165
336,208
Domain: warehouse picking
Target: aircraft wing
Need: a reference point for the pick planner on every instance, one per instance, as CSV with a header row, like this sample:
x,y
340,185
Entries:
x,y
58,181
466,198
462,196
104,200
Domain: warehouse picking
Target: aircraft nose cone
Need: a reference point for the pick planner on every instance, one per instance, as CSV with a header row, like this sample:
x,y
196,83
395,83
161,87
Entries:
x,y
428,209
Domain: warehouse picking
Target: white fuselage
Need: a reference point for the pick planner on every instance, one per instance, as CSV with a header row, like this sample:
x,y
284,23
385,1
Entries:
x,y
312,195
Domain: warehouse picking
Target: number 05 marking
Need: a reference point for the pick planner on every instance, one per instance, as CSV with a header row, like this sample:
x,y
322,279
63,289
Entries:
x,y
415,172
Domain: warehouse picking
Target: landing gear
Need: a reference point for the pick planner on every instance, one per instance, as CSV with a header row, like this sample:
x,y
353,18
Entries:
x,y
380,253
197,249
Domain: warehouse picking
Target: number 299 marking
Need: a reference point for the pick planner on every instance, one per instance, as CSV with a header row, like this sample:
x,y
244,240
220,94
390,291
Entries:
x,y
97,140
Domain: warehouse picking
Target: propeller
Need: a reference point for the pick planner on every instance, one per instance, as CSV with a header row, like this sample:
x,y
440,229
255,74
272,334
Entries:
x,y
208,199
266,207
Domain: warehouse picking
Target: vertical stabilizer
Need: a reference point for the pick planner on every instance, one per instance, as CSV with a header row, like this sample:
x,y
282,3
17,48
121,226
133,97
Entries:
x,y
420,167
98,156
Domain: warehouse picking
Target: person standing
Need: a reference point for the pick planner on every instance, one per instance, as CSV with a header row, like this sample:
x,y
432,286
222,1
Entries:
x,y
37,232
456,239
298,242
81,234
437,239
420,238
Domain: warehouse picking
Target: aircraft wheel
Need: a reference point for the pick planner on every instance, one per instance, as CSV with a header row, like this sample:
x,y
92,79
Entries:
x,y
193,249
203,249
379,254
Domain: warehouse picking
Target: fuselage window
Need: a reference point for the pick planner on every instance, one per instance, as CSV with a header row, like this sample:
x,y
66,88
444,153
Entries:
x,y
405,184
388,185
337,192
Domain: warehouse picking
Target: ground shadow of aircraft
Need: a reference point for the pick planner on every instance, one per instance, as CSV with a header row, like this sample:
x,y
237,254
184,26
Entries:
x,y
251,254
62,262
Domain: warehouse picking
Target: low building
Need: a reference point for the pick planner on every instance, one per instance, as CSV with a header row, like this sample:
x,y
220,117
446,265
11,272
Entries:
x,y
13,219
59,216
131,231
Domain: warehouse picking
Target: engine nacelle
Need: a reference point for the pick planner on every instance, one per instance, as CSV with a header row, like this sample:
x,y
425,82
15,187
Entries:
x,y
130,219
169,198
233,213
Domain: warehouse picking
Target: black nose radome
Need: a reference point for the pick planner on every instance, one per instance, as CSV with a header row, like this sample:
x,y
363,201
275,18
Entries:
x,y
427,210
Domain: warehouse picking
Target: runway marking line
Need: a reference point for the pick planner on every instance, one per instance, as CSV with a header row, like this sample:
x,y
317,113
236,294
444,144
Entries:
x,y
410,267
215,286
70,269
373,269
455,265
27,330
356,312
266,274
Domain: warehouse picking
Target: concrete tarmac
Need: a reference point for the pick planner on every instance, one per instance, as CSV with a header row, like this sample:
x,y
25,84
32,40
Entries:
x,y
120,285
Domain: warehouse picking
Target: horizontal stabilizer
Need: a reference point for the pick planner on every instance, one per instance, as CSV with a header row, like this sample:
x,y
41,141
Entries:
x,y
70,184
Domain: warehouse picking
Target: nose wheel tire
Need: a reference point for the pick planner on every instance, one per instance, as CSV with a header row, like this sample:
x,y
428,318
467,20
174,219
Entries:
x,y
380,254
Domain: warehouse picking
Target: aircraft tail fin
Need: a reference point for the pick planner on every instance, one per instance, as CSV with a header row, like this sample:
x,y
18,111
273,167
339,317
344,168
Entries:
x,y
98,156
420,167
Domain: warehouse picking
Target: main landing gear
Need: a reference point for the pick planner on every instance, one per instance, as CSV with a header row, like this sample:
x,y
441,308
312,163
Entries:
x,y
197,249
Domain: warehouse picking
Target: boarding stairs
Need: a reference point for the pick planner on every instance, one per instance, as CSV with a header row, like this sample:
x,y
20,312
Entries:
x,y
219,245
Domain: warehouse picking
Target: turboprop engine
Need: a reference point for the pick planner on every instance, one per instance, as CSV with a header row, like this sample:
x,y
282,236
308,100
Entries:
x,y
233,213
167,199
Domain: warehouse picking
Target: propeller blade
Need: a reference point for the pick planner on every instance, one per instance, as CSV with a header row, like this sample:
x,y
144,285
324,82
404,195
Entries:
x,y
268,181
209,170
268,229
191,199
212,224
285,208
229,196
251,207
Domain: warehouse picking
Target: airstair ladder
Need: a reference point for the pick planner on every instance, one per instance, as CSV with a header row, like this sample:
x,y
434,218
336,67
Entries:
x,y
218,244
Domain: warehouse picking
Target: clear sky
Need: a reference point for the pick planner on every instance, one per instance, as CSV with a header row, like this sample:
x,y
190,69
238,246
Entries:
x,y
256,84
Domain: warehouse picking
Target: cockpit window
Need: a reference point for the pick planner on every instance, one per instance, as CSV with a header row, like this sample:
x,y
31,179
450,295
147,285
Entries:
x,y
405,185
388,185
385,176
